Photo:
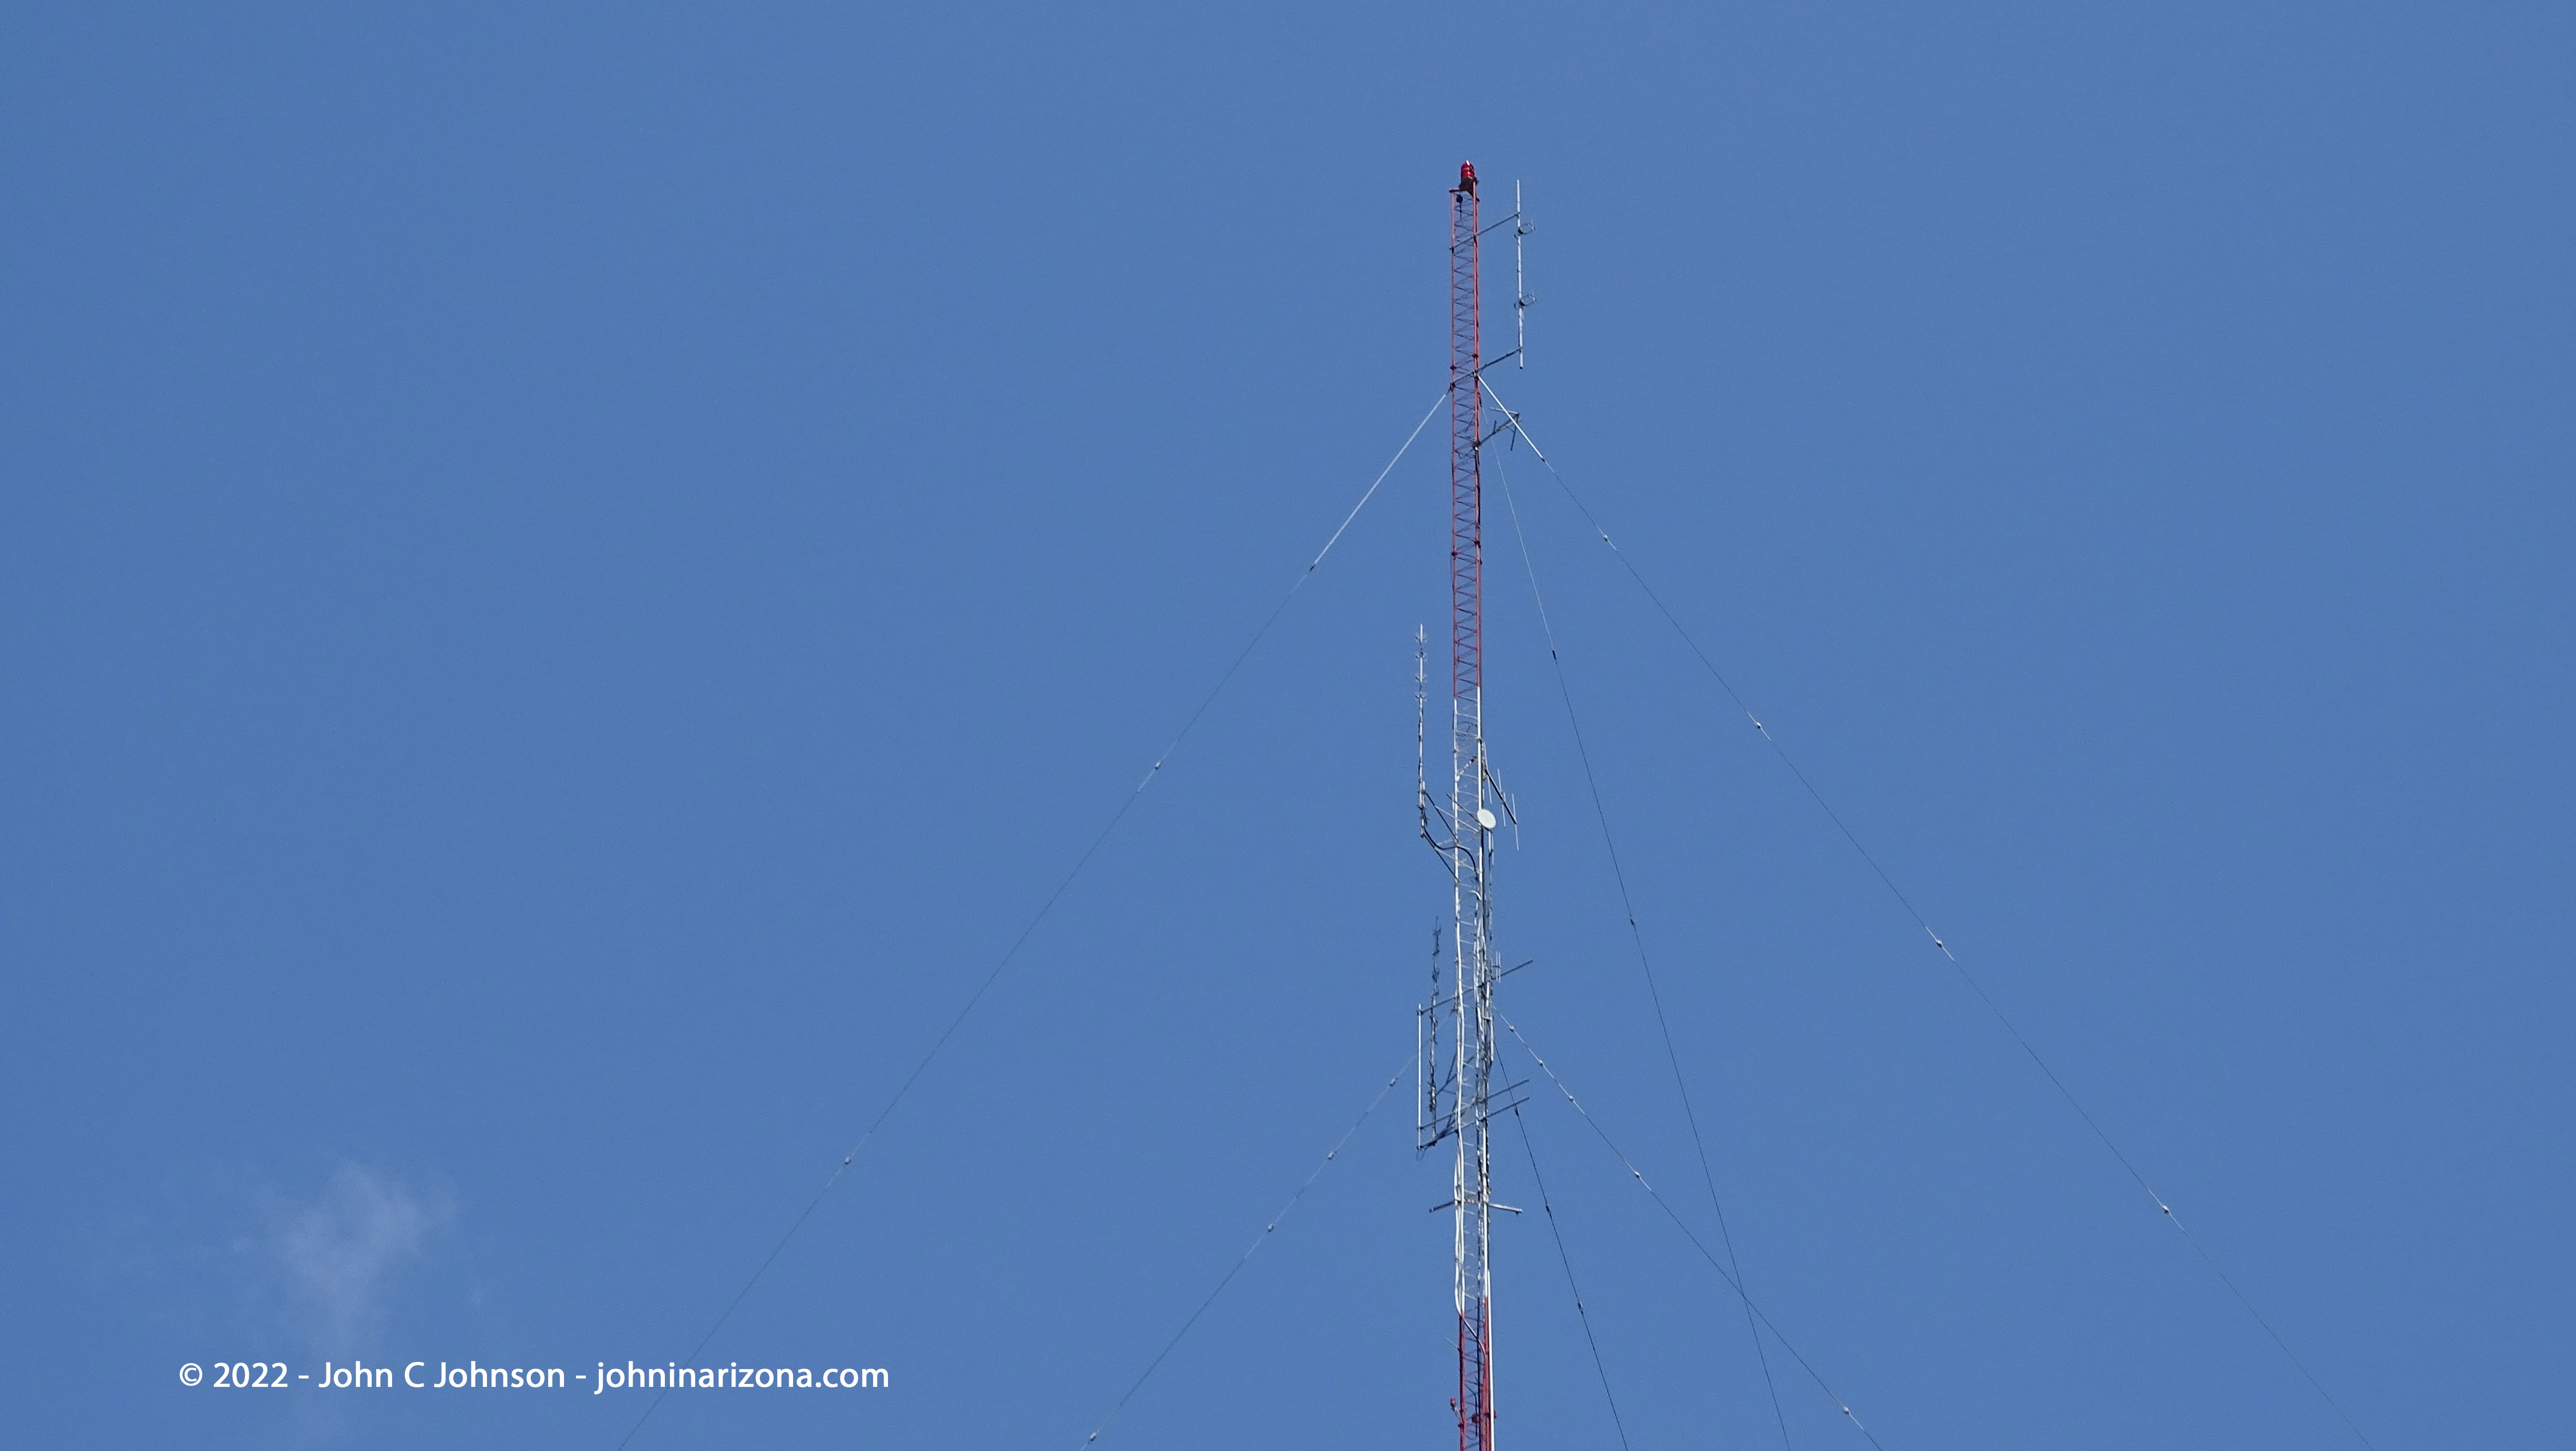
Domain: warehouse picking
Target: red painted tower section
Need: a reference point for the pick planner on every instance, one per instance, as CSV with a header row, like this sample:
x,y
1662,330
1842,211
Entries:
x,y
1466,493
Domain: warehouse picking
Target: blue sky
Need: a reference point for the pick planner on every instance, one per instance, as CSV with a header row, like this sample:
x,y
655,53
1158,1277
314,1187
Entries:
x,y
570,579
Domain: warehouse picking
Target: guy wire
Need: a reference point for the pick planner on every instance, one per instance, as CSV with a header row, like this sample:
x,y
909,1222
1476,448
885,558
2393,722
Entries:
x,y
1636,935
1974,986
1102,1425
1732,1282
1580,1313
1044,908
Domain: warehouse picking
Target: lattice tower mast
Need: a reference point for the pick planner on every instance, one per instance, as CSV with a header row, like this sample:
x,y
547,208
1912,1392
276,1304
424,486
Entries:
x,y
1471,832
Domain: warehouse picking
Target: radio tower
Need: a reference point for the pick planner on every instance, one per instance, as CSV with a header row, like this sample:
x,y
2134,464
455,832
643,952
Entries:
x,y
1456,1092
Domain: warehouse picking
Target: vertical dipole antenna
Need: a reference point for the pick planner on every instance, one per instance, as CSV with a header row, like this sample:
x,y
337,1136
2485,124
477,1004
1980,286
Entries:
x,y
1471,833
1426,1019
1521,298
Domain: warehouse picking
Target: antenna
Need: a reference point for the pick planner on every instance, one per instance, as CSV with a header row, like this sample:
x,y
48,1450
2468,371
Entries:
x,y
1429,1081
1522,297
1461,1106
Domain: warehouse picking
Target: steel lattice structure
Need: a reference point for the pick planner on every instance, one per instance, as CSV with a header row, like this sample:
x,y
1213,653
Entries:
x,y
1470,843
1458,1075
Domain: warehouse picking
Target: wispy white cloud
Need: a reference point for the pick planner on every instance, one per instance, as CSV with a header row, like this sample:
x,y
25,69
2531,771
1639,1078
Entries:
x,y
340,1254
